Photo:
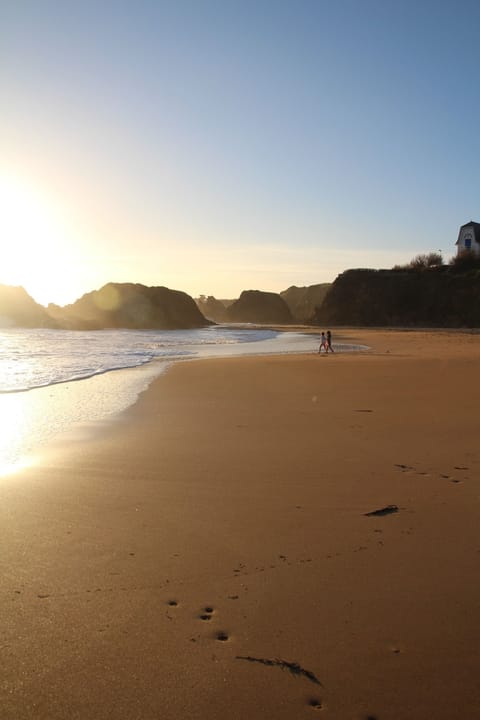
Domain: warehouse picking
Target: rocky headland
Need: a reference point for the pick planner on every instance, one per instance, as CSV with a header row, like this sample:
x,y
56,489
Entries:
x,y
408,296
18,309
255,306
131,306
443,296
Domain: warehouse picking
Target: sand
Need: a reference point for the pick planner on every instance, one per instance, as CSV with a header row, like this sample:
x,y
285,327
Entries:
x,y
208,555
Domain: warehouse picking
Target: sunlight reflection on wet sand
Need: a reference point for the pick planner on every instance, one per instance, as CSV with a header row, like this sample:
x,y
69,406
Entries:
x,y
16,419
31,420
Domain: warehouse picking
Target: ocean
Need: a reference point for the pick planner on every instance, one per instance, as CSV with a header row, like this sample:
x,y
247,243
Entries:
x,y
52,381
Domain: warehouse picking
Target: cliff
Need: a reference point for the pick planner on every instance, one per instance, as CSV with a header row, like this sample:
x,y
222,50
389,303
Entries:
x,y
18,309
304,301
131,306
255,306
434,297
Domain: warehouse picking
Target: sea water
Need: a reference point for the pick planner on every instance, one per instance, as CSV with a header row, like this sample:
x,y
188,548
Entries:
x,y
53,380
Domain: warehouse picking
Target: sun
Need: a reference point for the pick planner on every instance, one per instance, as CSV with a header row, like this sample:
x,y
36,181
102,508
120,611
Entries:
x,y
35,249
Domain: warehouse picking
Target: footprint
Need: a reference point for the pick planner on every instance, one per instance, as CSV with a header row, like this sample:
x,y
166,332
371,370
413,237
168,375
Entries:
x,y
206,613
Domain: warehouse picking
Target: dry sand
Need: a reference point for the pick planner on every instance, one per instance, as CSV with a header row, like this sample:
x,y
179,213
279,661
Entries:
x,y
208,555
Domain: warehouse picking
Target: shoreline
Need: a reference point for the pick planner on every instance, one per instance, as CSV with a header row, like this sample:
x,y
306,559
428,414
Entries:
x,y
163,567
51,414
37,417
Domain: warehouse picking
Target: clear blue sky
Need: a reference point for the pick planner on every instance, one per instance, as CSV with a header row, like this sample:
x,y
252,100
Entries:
x,y
220,146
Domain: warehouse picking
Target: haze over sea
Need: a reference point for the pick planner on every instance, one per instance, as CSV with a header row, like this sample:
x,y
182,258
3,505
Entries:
x,y
40,397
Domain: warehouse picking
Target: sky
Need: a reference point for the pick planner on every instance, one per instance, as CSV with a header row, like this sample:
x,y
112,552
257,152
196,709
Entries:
x,y
214,146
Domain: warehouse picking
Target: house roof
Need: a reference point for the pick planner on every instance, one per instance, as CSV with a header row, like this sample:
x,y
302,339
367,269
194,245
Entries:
x,y
476,231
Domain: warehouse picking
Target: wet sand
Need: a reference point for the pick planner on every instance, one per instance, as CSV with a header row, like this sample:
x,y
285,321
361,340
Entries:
x,y
209,555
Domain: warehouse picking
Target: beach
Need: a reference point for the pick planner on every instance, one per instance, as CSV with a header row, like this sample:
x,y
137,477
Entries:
x,y
209,553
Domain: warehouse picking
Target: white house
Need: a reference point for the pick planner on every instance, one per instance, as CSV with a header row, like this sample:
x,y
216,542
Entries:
x,y
469,238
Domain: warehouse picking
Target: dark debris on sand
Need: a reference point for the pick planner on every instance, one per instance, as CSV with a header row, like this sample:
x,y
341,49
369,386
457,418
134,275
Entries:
x,y
292,667
387,510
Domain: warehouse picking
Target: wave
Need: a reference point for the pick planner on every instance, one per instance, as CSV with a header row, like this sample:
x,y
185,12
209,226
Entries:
x,y
89,373
38,358
31,359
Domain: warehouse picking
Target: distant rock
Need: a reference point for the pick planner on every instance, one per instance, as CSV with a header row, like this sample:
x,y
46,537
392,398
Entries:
x,y
255,306
212,308
303,302
18,309
130,306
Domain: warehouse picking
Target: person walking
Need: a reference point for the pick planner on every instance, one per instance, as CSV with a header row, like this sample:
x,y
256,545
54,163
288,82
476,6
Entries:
x,y
329,341
323,343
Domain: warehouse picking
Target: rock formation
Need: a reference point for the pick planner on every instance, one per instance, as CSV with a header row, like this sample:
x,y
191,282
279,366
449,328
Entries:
x,y
18,309
131,306
212,308
304,301
255,306
433,297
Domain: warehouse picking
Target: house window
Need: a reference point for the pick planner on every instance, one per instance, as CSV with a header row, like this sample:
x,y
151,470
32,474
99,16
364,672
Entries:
x,y
468,243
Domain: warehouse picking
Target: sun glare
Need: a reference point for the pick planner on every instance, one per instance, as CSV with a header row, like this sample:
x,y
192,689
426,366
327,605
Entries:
x,y
34,250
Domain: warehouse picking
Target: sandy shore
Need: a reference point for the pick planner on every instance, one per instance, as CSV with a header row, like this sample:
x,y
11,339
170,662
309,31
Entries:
x,y
208,555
